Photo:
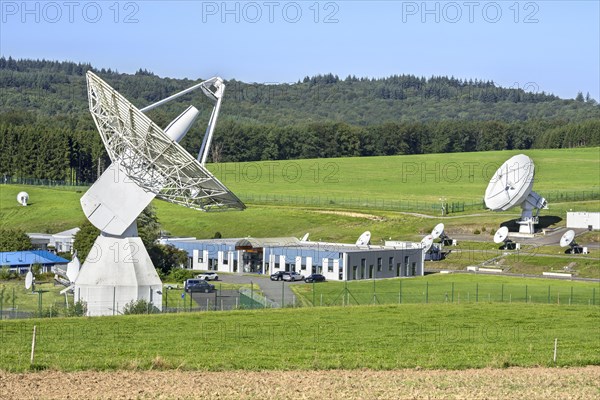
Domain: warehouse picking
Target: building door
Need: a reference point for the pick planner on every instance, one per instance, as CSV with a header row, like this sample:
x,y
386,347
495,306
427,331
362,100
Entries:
x,y
354,268
398,269
370,271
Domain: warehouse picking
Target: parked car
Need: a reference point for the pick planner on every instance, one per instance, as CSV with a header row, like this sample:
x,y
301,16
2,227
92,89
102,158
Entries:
x,y
292,276
314,278
198,285
277,276
208,276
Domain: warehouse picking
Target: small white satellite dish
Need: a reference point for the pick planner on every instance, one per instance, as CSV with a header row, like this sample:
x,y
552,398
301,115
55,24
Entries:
x,y
501,235
567,238
438,231
23,198
28,280
511,186
364,239
73,268
304,238
426,243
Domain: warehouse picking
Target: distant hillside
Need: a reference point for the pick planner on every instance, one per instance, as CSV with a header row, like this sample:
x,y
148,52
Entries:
x,y
43,111
51,88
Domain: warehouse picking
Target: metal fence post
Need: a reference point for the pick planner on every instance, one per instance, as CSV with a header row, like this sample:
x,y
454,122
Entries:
x,y
400,293
452,292
426,291
526,294
477,292
571,298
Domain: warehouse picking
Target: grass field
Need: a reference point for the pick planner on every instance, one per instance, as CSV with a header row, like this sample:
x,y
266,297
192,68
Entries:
x,y
457,288
427,177
446,336
379,178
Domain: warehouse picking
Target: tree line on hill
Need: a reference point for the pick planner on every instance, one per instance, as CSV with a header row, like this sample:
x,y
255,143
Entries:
x,y
47,132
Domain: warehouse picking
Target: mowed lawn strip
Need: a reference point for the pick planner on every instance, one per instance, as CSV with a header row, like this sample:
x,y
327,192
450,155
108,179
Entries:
x,y
451,288
446,336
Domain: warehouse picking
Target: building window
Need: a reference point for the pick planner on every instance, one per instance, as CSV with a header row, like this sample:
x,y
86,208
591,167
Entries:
x,y
303,267
354,268
329,268
363,263
391,263
370,271
379,263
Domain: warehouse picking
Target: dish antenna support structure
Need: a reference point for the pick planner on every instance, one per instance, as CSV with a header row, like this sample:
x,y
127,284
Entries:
x,y
511,186
147,162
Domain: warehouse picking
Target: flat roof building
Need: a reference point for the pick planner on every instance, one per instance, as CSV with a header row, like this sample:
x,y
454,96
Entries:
x,y
336,261
21,261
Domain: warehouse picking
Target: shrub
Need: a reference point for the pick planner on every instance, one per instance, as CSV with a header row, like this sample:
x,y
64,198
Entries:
x,y
476,232
179,275
140,306
79,309
5,273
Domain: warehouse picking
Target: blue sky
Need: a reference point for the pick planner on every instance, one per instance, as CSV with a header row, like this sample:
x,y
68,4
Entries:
x,y
551,46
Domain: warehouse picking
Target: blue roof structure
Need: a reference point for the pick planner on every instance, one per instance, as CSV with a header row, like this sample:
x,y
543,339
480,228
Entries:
x,y
30,257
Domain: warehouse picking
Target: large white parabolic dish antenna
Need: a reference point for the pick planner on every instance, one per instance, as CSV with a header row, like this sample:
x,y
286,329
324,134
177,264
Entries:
x,y
511,186
147,162
151,159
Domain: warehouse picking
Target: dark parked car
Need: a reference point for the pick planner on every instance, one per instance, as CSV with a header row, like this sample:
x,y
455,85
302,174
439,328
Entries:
x,y
198,285
277,276
314,278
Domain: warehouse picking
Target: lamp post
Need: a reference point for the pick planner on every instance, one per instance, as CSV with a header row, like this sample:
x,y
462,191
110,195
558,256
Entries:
x,y
443,203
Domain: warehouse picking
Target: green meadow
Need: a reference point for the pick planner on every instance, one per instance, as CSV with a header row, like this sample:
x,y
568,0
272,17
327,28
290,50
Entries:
x,y
368,178
440,336
424,177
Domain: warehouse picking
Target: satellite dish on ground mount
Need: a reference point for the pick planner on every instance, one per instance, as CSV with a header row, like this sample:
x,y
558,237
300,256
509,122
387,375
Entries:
x,y
439,232
28,280
568,239
511,186
426,243
501,237
23,198
364,239
147,162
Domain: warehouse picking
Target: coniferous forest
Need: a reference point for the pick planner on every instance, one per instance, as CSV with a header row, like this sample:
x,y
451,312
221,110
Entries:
x,y
46,130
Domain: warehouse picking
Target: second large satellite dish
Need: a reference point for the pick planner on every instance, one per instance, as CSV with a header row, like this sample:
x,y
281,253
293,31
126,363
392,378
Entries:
x,y
511,186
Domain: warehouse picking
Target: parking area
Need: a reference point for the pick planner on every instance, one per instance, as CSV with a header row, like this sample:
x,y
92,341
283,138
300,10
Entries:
x,y
275,291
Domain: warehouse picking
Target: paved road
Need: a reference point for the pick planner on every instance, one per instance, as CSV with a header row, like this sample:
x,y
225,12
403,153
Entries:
x,y
273,290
